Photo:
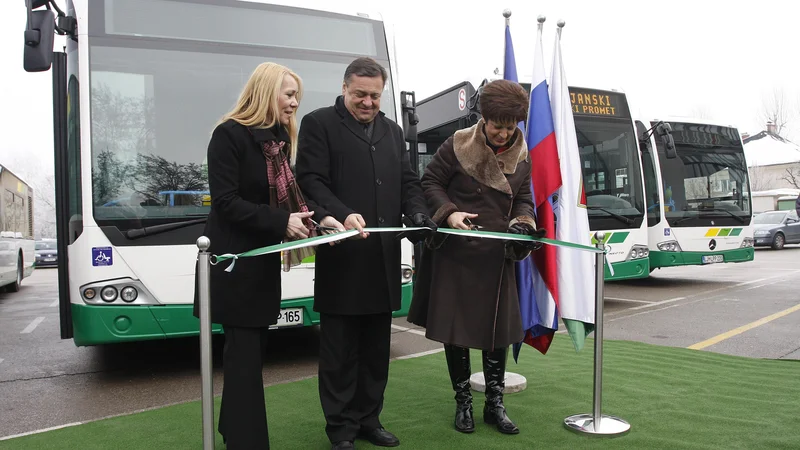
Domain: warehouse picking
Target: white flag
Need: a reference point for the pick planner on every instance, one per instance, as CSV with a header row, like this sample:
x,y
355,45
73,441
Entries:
x,y
576,274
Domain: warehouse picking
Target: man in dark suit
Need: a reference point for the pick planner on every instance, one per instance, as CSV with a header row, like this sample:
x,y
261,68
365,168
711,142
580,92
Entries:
x,y
352,162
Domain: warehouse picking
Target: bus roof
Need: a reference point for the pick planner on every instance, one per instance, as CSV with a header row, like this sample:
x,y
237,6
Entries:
x,y
691,120
330,7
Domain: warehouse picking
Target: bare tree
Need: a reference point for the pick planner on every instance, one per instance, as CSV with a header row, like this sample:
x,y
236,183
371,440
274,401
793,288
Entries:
x,y
759,180
792,176
776,110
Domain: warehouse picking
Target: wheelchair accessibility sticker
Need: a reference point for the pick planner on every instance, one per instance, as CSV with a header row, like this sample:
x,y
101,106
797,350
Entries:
x,y
102,256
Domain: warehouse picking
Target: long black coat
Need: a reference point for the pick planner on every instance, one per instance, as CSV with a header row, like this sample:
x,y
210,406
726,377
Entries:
x,y
466,291
240,220
343,171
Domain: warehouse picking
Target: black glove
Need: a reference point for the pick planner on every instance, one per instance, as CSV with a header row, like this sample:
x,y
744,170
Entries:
x,y
526,229
418,220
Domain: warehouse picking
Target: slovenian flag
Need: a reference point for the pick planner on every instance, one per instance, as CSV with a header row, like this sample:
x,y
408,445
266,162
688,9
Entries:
x,y
537,283
575,284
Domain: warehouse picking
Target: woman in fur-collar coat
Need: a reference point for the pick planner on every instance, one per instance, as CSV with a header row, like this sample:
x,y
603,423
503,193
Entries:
x,y
466,294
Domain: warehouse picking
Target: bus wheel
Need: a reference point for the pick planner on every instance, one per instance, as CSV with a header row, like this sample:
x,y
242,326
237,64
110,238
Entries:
x,y
778,242
18,282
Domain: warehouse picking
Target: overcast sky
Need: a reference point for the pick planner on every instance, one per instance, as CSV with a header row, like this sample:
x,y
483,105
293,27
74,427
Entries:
x,y
719,59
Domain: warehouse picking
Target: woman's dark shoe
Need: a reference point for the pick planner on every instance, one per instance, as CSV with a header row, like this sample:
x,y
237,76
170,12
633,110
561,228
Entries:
x,y
459,368
494,371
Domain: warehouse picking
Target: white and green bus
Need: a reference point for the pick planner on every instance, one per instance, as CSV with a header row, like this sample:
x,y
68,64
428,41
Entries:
x,y
609,154
136,94
699,208
612,178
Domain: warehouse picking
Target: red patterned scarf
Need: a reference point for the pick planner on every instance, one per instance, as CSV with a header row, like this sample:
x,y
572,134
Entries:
x,y
285,194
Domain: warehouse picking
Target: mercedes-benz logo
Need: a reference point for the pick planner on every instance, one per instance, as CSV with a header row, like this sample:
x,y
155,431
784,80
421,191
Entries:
x,y
712,245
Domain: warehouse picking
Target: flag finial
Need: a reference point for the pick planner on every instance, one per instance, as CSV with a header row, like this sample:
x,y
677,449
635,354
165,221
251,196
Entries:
x,y
506,13
561,23
541,18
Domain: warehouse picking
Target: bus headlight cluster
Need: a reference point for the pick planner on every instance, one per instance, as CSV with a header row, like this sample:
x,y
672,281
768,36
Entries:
x,y
748,242
116,292
639,252
669,246
407,274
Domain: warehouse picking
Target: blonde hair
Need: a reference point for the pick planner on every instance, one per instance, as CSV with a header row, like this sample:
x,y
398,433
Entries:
x,y
258,102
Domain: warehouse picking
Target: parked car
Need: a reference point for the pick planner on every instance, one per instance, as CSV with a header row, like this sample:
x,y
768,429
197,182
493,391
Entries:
x,y
46,253
776,228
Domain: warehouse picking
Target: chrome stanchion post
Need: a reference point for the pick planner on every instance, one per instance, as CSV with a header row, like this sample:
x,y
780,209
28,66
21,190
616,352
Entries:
x,y
597,424
207,393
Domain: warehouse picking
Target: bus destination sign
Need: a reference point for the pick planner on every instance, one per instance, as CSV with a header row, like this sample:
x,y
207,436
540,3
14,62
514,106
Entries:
x,y
592,102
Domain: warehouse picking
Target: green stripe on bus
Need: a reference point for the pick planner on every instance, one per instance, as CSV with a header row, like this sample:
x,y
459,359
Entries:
x,y
618,238
724,232
735,232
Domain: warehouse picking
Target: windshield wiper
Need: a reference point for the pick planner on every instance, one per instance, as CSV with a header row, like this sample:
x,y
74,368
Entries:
x,y
626,220
137,233
737,217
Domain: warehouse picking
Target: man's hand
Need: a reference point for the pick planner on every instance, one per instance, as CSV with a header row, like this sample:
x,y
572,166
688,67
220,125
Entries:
x,y
355,221
456,220
422,220
417,220
296,228
329,221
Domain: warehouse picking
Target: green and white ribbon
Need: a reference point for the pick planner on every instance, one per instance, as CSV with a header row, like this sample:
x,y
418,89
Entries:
x,y
342,235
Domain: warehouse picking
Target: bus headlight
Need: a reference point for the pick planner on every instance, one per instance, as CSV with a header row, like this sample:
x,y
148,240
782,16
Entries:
x,y
128,294
748,242
108,294
407,274
638,252
669,246
89,293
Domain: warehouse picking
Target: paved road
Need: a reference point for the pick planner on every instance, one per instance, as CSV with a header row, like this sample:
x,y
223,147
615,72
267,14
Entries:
x,y
689,305
46,381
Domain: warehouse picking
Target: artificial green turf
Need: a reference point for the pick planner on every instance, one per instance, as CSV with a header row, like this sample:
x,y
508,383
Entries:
x,y
673,398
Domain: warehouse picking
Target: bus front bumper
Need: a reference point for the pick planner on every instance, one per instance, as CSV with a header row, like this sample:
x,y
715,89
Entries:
x,y
671,259
627,270
101,324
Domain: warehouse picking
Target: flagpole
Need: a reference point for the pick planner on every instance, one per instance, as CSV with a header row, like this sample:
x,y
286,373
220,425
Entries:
x,y
507,15
597,424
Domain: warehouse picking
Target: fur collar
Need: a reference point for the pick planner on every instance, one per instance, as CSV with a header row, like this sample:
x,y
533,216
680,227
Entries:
x,y
481,163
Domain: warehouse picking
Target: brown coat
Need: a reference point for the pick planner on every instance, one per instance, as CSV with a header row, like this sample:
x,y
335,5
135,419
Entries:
x,y
466,292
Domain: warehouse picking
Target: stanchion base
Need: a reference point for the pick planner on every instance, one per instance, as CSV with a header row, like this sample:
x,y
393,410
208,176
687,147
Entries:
x,y
609,425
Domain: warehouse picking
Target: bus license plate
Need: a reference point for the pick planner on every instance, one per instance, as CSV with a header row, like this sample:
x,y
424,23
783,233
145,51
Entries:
x,y
711,259
289,317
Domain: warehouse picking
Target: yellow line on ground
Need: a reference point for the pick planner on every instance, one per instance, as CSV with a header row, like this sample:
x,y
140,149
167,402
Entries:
x,y
742,329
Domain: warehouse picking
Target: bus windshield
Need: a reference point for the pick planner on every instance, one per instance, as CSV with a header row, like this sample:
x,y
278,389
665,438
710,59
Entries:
x,y
159,87
707,183
611,172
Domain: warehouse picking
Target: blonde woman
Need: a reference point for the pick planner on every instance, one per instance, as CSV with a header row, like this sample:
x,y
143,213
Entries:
x,y
255,202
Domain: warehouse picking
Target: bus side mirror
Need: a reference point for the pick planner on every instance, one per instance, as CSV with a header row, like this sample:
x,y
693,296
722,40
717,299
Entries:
x,y
665,131
39,36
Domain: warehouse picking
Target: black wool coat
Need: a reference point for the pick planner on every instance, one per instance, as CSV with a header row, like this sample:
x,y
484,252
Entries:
x,y
343,171
240,220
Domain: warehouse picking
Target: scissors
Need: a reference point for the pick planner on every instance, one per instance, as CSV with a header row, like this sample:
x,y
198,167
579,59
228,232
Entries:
x,y
471,225
319,227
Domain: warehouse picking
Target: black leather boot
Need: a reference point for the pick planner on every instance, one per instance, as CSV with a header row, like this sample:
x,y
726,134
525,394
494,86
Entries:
x,y
459,368
494,372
